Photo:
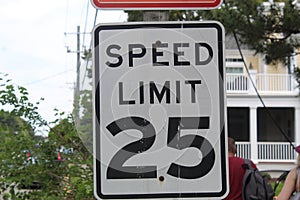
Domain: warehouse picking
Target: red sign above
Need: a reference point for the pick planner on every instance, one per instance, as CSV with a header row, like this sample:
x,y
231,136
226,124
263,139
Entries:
x,y
156,4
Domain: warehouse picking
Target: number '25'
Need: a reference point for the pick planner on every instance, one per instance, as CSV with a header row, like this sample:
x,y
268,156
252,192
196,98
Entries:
x,y
116,170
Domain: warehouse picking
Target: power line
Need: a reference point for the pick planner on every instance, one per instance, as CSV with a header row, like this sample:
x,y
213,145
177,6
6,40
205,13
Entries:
x,y
87,61
67,14
258,95
83,40
85,24
48,77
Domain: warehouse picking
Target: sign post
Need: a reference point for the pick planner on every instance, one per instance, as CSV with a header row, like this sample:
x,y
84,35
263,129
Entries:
x,y
156,4
159,125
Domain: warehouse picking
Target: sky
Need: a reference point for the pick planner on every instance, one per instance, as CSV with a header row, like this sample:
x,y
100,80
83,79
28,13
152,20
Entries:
x,y
34,36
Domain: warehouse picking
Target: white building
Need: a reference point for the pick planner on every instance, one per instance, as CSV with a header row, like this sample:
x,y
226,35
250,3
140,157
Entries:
x,y
261,133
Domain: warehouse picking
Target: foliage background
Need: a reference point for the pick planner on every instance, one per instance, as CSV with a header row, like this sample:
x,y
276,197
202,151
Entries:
x,y
43,175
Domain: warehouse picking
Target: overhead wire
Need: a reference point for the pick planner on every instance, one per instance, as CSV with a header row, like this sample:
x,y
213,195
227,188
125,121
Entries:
x,y
49,77
85,24
59,73
90,47
67,14
259,96
66,22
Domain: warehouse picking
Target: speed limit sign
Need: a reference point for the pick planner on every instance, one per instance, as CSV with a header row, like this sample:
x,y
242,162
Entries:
x,y
159,114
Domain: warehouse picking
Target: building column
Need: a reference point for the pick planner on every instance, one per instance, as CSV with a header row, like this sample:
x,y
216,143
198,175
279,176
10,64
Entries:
x,y
253,73
253,134
297,126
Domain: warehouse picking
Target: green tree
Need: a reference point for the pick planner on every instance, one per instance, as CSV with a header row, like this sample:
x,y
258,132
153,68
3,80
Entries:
x,y
13,124
77,169
59,165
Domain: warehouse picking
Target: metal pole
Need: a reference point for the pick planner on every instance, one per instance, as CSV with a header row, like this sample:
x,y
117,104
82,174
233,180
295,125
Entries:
x,y
78,62
162,15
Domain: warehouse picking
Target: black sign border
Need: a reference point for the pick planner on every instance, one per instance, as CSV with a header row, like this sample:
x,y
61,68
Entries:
x,y
97,163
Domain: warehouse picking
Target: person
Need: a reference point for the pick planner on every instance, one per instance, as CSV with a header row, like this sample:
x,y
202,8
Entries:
x,y
292,182
236,172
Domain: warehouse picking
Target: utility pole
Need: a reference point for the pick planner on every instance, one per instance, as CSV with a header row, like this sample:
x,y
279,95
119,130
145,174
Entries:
x,y
78,53
77,91
78,63
77,84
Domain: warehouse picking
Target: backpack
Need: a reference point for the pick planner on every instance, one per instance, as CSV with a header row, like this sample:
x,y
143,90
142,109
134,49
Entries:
x,y
255,185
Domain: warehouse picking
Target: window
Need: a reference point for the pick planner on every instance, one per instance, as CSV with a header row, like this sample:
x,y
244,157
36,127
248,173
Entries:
x,y
238,123
234,65
269,131
235,70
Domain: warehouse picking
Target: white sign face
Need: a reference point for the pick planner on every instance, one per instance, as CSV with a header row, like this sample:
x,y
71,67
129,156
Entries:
x,y
159,125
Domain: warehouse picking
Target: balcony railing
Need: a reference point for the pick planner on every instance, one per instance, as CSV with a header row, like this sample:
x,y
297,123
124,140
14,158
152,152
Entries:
x,y
267,151
243,149
274,82
237,82
265,83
